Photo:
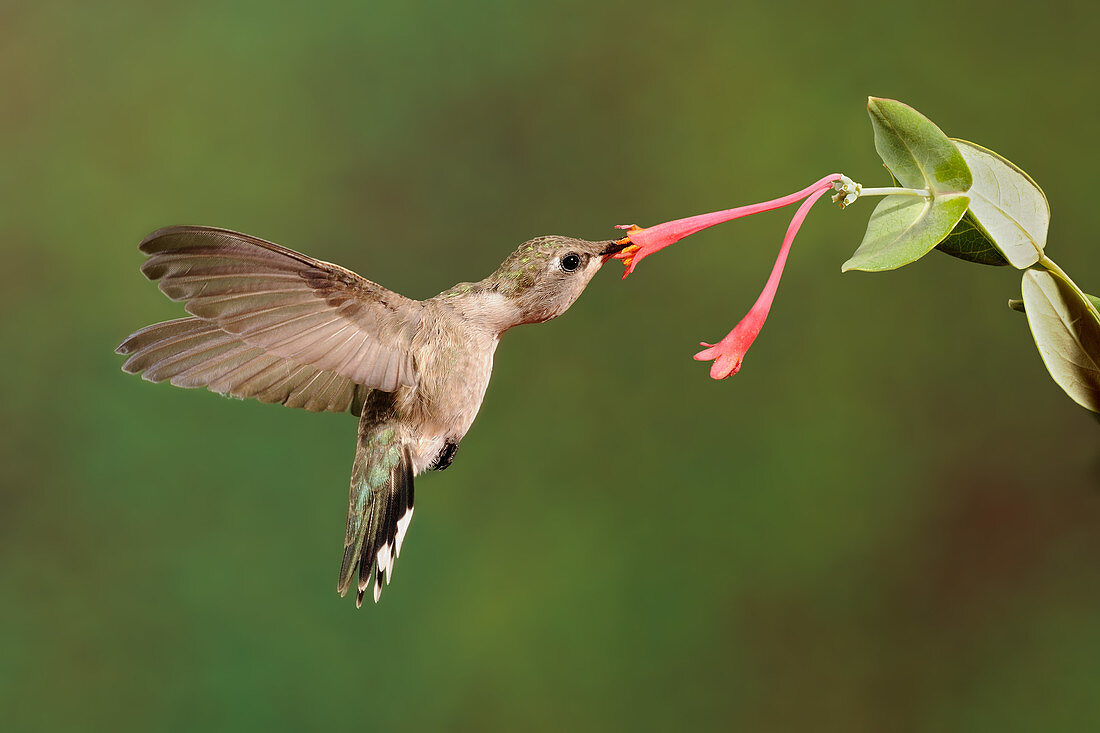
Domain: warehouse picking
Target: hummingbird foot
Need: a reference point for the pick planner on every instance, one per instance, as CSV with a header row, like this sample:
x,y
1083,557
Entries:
x,y
445,457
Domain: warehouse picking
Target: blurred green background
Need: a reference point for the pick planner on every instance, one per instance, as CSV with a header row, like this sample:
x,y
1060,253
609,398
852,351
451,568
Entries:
x,y
890,520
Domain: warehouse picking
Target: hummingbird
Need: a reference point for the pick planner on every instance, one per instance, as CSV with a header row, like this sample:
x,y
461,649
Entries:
x,y
279,326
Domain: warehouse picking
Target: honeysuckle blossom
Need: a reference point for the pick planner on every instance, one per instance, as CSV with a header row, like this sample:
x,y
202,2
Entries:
x,y
644,242
728,353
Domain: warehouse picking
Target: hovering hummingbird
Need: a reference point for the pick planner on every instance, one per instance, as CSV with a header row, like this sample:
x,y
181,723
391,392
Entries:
x,y
271,323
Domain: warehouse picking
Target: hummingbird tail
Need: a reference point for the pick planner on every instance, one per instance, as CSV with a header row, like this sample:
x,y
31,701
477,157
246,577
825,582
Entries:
x,y
380,507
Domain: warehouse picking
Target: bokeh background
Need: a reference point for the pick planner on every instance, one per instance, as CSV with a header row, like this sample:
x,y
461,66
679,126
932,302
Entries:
x,y
890,520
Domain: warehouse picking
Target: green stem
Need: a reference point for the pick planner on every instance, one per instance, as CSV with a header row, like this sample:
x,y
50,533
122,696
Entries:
x,y
847,191
1052,267
894,191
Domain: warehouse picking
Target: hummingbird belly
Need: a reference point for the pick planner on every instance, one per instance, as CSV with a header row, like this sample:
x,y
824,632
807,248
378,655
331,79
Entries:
x,y
454,369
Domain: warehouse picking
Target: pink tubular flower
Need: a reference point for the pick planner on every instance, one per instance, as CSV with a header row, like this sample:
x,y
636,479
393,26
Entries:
x,y
729,352
644,242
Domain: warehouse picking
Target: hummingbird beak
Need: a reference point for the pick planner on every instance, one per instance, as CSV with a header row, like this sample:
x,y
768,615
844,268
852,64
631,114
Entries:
x,y
614,248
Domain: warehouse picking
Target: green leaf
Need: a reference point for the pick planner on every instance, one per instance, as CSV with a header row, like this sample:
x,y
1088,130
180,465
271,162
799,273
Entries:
x,y
1067,333
903,229
1007,207
968,241
918,155
917,152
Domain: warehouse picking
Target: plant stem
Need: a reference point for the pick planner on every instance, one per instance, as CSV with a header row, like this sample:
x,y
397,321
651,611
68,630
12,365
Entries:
x,y
894,191
848,191
1051,266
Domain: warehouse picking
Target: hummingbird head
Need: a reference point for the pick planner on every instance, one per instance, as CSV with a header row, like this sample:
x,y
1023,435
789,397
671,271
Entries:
x,y
546,275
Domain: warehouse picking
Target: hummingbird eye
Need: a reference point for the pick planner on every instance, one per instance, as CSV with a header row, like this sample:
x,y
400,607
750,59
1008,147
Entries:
x,y
570,262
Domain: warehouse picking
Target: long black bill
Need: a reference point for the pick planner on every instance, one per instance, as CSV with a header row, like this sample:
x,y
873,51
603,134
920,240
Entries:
x,y
615,247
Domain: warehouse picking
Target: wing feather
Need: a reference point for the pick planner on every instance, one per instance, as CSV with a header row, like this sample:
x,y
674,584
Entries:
x,y
191,352
288,304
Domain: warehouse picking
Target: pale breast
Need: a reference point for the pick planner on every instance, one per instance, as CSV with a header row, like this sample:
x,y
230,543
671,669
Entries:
x,y
454,362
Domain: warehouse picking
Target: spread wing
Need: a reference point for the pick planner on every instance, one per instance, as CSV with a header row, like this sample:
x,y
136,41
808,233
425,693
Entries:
x,y
287,305
191,352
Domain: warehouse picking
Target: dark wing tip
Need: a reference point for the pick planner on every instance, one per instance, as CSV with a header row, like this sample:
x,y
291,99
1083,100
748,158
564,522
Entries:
x,y
149,245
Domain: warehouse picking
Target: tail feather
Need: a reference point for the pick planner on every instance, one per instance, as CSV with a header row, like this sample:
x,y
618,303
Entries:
x,y
379,510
